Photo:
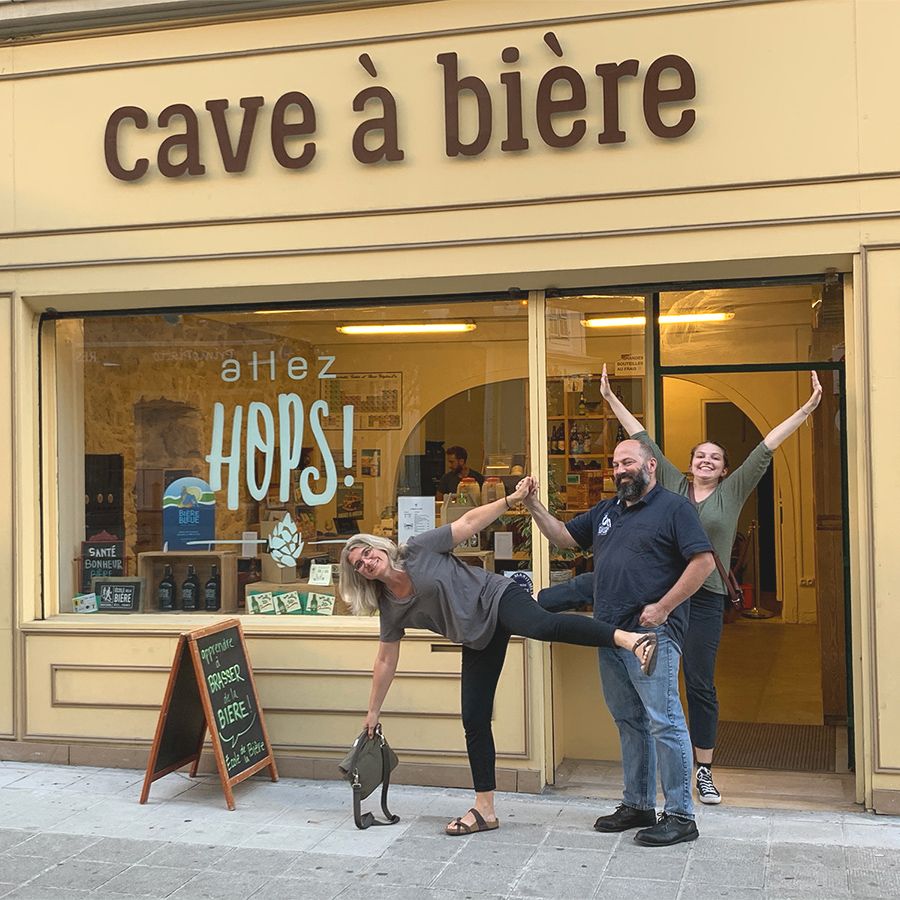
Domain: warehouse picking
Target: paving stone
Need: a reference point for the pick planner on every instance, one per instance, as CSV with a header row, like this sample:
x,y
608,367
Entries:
x,y
19,869
325,867
220,886
411,846
297,889
723,848
806,855
185,856
806,878
734,870
148,881
805,831
125,850
392,892
580,838
38,892
731,892
78,874
632,888
53,846
556,884
880,834
401,872
10,837
519,833
288,837
650,862
478,877
256,861
478,850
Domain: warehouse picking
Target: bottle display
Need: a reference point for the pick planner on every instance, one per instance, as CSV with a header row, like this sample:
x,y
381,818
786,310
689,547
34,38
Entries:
x,y
190,590
212,591
166,591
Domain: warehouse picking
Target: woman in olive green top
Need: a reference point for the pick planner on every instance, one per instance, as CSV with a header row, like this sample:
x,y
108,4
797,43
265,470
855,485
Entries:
x,y
719,501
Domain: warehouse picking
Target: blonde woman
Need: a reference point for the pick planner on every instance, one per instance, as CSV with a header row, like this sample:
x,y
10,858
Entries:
x,y
719,496
423,585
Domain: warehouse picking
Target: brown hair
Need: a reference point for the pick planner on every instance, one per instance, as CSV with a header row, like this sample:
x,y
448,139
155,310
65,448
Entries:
x,y
458,452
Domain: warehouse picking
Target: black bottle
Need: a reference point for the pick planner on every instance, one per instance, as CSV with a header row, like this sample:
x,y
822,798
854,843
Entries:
x,y
166,593
190,590
212,597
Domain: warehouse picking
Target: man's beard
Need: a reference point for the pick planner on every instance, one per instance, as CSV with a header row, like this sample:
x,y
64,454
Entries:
x,y
631,490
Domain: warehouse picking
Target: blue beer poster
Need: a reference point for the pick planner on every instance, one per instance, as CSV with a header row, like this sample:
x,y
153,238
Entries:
x,y
189,514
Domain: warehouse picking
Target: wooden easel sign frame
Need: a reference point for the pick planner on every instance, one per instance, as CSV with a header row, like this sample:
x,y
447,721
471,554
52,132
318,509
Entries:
x,y
211,689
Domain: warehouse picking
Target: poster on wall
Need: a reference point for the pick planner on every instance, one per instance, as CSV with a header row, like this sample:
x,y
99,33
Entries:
x,y
189,514
370,463
350,502
376,398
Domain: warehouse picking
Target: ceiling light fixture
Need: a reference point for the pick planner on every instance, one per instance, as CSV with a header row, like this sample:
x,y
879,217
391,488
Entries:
x,y
682,318
409,328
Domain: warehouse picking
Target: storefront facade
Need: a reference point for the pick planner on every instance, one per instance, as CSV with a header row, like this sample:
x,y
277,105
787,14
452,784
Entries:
x,y
199,212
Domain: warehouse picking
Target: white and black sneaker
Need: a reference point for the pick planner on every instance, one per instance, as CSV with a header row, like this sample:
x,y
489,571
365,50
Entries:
x,y
706,790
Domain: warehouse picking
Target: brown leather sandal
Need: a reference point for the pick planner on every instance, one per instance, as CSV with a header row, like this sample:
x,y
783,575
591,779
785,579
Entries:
x,y
458,827
648,664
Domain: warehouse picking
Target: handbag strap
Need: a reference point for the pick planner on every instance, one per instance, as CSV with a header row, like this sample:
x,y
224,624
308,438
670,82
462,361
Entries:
x,y
365,820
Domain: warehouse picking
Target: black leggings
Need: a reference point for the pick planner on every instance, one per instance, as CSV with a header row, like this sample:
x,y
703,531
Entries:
x,y
520,615
701,644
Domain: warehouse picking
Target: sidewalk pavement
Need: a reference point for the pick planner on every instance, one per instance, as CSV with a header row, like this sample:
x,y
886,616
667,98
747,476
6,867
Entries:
x,y
76,832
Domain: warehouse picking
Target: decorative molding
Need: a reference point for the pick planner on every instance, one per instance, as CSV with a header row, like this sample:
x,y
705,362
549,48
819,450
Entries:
x,y
509,203
375,40
296,252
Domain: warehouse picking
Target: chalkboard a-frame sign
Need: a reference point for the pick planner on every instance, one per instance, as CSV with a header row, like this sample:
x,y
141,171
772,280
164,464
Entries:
x,y
211,688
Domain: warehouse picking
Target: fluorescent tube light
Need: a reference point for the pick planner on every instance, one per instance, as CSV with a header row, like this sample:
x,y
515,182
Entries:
x,y
409,328
682,318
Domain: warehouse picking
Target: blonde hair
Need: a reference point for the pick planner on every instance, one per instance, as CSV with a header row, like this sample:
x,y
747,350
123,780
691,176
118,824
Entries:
x,y
361,593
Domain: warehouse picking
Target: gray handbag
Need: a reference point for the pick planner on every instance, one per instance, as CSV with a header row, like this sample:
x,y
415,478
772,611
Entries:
x,y
368,764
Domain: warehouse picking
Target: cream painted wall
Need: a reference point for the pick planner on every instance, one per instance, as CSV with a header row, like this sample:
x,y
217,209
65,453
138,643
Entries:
x,y
8,500
881,607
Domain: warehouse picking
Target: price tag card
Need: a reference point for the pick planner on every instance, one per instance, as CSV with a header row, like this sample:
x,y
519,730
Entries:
x,y
320,573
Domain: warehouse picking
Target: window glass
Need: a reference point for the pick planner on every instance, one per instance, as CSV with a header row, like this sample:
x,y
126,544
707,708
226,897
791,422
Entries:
x,y
211,456
583,333
734,326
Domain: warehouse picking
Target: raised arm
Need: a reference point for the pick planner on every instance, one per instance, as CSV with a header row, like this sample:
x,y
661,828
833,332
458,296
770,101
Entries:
x,y
551,527
382,675
781,432
479,517
620,410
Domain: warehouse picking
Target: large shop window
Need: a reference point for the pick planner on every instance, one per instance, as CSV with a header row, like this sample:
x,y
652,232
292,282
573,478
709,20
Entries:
x,y
583,333
220,459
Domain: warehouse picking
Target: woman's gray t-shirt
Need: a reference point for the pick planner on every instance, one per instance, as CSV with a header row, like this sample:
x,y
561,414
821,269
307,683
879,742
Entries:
x,y
449,597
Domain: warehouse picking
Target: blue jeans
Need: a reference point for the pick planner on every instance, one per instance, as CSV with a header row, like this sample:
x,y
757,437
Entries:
x,y
577,591
652,730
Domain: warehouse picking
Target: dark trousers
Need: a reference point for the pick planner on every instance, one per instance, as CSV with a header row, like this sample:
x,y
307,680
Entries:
x,y
701,644
519,615
577,591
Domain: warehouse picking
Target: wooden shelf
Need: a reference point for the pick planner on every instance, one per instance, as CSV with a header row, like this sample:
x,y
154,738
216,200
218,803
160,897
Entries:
x,y
152,567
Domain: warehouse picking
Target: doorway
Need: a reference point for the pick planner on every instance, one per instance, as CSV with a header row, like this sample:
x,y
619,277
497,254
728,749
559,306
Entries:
x,y
781,672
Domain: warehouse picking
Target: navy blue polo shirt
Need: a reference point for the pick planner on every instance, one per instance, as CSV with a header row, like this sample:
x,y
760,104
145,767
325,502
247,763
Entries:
x,y
640,551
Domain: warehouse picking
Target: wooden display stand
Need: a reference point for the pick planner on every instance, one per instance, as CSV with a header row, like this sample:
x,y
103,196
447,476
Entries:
x,y
152,567
211,688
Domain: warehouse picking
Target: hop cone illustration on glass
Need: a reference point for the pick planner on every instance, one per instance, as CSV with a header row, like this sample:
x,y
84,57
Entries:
x,y
285,543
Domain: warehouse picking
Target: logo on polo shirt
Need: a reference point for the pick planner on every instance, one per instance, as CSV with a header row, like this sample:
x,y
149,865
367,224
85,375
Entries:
x,y
605,525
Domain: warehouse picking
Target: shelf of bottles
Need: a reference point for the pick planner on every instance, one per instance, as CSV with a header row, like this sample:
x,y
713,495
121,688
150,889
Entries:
x,y
583,433
190,581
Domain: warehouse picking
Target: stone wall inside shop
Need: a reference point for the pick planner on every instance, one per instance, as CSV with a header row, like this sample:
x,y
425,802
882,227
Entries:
x,y
150,384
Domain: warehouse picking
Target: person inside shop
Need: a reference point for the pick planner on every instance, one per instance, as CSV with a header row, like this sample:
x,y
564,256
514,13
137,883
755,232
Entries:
x,y
650,554
457,469
423,585
718,497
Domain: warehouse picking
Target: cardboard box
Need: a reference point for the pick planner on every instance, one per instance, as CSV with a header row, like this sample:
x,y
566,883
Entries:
x,y
271,571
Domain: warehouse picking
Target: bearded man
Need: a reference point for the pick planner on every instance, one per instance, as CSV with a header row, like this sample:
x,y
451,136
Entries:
x,y
650,555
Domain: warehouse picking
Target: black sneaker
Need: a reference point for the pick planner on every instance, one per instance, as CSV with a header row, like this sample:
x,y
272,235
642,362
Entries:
x,y
625,817
706,790
670,829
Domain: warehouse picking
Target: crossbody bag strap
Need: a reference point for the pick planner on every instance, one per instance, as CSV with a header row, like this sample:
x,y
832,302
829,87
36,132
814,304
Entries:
x,y
366,820
723,572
